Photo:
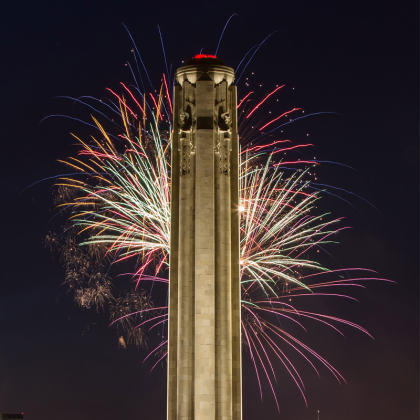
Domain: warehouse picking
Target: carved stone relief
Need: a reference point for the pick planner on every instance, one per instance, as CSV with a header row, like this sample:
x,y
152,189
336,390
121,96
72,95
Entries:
x,y
186,149
223,124
222,150
187,127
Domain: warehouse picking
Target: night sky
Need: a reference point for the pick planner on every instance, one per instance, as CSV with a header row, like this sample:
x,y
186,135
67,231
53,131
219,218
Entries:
x,y
358,59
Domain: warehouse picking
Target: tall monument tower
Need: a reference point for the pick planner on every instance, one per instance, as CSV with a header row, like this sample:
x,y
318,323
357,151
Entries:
x,y
204,360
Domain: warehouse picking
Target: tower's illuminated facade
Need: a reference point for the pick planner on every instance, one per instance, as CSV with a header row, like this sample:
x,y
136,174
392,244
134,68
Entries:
x,y
204,360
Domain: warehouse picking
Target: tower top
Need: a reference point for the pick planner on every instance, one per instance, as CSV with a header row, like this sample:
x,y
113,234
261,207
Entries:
x,y
205,67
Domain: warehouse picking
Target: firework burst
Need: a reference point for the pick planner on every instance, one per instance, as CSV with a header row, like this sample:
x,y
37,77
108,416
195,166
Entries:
x,y
119,212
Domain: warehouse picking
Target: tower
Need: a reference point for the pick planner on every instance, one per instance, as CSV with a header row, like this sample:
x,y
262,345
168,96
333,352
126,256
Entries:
x,y
204,351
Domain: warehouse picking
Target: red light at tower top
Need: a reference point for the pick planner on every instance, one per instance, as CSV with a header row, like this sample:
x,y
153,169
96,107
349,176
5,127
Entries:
x,y
205,59
204,56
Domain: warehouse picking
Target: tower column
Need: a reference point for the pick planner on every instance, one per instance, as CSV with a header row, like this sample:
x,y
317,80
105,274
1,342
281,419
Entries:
x,y
205,352
185,377
223,296
204,286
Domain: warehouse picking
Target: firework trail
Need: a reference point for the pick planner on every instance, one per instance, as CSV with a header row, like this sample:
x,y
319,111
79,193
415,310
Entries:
x,y
119,212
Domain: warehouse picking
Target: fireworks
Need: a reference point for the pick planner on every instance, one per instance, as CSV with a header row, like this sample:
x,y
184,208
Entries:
x,y
119,213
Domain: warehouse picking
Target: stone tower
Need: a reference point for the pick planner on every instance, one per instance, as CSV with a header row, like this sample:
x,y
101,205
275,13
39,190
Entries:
x,y
204,360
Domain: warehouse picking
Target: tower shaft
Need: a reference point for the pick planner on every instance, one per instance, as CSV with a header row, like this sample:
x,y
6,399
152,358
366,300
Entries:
x,y
204,351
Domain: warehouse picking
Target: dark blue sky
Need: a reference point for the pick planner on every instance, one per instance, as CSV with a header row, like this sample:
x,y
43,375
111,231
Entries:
x,y
356,58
